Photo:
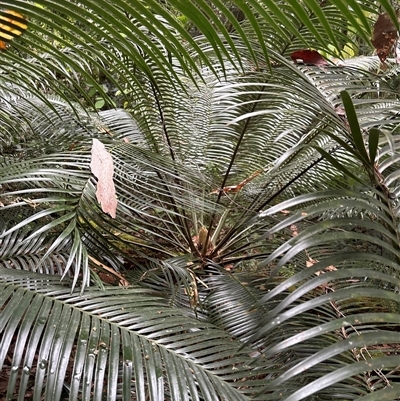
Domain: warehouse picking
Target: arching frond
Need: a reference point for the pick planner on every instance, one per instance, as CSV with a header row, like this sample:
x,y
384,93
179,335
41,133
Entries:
x,y
193,361
257,216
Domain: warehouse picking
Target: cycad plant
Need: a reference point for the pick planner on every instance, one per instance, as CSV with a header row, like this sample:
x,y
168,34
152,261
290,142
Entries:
x,y
253,253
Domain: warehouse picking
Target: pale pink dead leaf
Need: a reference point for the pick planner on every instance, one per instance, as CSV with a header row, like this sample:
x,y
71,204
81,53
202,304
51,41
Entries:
x,y
103,169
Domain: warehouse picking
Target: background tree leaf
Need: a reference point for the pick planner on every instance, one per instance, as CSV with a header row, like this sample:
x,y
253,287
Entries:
x,y
385,36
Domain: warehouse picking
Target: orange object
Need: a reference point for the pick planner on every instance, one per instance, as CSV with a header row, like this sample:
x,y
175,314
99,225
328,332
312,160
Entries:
x,y
12,24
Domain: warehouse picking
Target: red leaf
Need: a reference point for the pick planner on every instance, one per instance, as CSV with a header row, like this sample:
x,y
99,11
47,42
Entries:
x,y
103,168
309,57
385,36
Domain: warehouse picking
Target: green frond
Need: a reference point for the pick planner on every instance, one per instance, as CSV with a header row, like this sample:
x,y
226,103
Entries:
x,y
154,340
16,253
255,244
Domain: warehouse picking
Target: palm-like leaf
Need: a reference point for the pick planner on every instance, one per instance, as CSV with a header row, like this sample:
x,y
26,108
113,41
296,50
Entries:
x,y
75,344
229,161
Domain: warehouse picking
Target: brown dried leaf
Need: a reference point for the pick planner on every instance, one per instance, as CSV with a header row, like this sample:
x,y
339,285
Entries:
x,y
103,168
122,281
310,263
330,268
294,230
340,111
203,234
385,36
238,187
229,267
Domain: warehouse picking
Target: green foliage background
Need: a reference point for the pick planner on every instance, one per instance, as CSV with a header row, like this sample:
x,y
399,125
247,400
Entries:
x,y
255,250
